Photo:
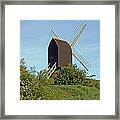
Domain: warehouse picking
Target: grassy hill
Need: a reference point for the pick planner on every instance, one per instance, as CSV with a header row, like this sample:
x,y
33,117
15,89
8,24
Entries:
x,y
70,92
68,83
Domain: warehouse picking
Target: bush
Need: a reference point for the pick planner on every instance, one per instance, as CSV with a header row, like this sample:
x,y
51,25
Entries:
x,y
32,82
70,75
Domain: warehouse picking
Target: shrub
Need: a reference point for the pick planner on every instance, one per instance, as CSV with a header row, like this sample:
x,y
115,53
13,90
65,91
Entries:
x,y
32,83
70,75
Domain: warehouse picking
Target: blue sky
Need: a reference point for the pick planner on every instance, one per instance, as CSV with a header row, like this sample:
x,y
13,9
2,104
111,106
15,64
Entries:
x,y
35,38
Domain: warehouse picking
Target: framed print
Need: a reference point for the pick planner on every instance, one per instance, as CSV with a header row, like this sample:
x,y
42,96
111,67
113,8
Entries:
x,y
60,59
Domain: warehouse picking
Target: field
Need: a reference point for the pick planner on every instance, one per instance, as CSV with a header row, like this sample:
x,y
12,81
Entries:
x,y
70,92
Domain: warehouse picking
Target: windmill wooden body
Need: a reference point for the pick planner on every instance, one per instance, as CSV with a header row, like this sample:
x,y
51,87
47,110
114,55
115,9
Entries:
x,y
59,51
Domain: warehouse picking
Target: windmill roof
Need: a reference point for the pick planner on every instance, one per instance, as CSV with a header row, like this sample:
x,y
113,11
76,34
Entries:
x,y
61,43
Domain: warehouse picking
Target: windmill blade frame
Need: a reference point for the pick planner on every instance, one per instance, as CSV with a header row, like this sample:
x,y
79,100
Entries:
x,y
76,30
80,62
76,54
54,34
84,62
78,35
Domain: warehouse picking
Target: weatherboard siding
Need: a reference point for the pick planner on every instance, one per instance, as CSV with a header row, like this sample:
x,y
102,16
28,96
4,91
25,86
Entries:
x,y
60,51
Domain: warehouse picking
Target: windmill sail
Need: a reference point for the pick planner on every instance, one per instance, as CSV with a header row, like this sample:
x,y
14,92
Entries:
x,y
82,60
78,35
54,34
76,31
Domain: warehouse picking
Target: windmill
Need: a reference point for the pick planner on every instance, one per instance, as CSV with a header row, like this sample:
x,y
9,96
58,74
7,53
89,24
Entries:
x,y
75,53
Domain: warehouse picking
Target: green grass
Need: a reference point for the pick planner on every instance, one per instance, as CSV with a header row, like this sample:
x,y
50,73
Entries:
x,y
70,92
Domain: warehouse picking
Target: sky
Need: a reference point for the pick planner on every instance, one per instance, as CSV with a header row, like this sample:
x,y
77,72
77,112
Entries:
x,y
35,37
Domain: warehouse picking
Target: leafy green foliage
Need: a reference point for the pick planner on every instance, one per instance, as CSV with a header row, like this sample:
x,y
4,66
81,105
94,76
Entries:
x,y
31,83
70,75
68,83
